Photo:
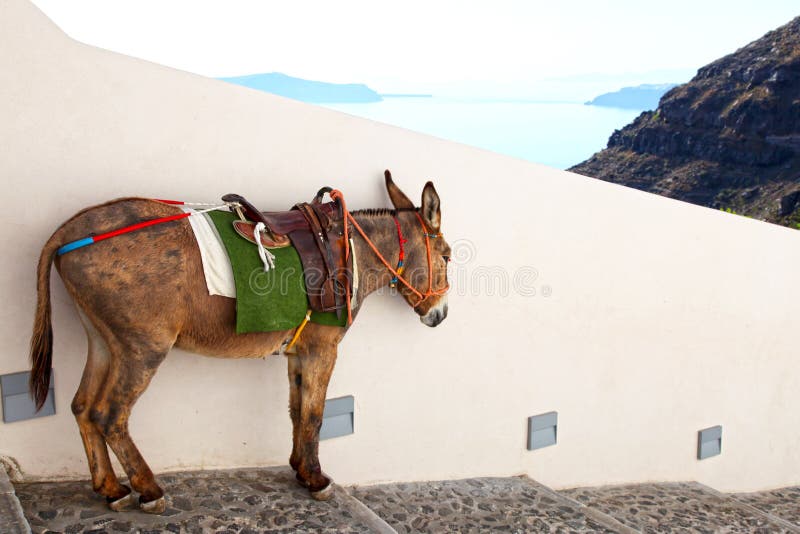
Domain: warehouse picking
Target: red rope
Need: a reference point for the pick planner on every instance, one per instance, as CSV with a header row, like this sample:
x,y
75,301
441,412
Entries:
x,y
402,240
139,226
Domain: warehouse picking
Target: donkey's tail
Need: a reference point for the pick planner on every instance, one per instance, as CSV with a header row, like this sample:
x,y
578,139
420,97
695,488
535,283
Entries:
x,y
42,338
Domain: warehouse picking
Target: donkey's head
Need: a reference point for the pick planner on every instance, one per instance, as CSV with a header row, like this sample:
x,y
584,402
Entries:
x,y
427,253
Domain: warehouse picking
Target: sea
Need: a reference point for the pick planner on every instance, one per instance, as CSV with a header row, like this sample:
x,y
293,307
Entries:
x,y
558,134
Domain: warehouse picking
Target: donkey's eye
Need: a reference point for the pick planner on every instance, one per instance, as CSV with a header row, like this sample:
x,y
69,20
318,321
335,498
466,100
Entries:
x,y
446,259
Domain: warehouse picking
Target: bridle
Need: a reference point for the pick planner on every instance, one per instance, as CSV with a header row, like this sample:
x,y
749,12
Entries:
x,y
396,273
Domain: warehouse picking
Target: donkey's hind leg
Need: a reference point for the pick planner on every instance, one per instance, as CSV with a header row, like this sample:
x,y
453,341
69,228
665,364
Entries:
x,y
104,481
129,375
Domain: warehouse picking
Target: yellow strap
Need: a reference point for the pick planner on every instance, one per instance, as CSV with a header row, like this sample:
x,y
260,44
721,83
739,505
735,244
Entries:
x,y
297,332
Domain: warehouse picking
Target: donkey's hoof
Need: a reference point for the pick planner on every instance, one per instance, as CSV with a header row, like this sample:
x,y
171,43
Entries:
x,y
157,506
123,503
324,494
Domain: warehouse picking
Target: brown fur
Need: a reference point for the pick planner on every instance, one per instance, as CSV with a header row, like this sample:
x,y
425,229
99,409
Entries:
x,y
140,294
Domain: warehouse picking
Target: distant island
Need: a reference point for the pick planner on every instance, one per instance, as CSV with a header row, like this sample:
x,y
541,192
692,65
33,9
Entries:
x,y
307,90
644,97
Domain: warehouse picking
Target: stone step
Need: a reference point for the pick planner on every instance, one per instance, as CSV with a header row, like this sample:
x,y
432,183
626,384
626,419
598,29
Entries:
x,y
241,500
660,507
12,519
269,499
516,504
783,503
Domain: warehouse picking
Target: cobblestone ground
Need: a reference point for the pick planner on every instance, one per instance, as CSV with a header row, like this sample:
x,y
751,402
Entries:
x,y
671,507
784,503
477,505
242,501
12,520
269,500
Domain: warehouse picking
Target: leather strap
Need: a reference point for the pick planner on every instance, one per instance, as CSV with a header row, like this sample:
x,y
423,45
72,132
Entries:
x,y
251,211
323,244
335,272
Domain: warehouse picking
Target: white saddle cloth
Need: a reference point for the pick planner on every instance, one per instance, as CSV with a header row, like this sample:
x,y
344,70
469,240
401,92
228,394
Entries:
x,y
216,264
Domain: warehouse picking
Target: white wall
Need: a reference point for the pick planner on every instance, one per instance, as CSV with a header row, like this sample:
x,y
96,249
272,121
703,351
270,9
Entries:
x,y
664,318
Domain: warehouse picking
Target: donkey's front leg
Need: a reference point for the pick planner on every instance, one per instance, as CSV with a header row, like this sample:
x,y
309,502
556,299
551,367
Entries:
x,y
315,359
295,383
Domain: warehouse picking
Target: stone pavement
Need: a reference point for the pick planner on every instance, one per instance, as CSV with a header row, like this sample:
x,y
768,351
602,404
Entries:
x,y
244,501
12,520
681,506
269,500
784,503
516,504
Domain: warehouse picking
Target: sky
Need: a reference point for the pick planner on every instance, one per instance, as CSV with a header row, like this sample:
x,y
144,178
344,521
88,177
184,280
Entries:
x,y
486,48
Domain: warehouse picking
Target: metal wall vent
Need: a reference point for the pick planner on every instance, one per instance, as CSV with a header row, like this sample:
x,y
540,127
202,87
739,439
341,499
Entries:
x,y
17,402
709,442
337,419
542,430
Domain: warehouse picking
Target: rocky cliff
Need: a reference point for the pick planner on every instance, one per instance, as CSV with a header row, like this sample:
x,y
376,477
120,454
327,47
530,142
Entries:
x,y
729,138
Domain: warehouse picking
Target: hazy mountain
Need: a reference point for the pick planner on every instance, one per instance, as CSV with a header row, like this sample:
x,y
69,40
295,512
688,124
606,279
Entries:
x,y
307,90
572,88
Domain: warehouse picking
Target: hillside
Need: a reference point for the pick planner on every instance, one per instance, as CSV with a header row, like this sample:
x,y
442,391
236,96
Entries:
x,y
307,90
729,138
644,96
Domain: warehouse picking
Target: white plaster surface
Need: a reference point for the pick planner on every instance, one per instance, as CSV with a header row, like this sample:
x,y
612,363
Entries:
x,y
652,318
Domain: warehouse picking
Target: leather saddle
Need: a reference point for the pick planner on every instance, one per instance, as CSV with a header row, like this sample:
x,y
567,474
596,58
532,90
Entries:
x,y
316,230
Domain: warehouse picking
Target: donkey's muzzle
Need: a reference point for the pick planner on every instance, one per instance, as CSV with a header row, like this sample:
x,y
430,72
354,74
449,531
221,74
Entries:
x,y
435,316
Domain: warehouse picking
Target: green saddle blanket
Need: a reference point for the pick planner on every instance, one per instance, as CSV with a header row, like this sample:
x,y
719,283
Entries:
x,y
266,301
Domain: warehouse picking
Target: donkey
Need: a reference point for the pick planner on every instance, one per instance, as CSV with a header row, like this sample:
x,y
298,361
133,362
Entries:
x,y
142,293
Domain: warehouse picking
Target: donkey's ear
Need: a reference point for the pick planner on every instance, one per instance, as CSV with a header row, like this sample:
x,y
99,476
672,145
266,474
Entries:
x,y
399,199
431,210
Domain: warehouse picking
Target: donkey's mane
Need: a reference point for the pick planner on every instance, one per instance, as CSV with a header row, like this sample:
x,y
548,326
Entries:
x,y
377,212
